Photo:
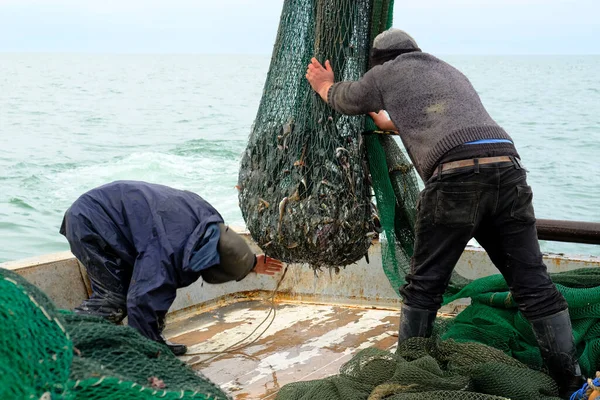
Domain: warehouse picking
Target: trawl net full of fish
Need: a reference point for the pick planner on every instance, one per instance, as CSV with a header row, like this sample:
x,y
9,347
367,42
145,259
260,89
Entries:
x,y
303,183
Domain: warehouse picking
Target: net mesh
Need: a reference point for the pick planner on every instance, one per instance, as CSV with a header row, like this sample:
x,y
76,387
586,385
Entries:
x,y
303,178
52,354
428,369
396,191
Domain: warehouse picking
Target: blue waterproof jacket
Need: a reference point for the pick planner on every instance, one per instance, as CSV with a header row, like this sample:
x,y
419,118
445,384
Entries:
x,y
136,241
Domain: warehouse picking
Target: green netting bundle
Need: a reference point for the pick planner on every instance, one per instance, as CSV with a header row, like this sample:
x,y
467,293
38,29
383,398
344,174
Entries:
x,y
303,179
35,350
425,369
487,352
493,319
51,354
396,190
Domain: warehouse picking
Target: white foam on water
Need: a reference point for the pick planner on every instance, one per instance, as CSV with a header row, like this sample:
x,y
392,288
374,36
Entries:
x,y
213,179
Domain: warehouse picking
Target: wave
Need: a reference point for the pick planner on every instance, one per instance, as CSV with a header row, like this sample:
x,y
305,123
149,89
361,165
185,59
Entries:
x,y
223,149
20,203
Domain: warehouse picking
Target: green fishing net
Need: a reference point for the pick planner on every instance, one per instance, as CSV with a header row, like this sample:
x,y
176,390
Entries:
x,y
304,190
310,177
49,354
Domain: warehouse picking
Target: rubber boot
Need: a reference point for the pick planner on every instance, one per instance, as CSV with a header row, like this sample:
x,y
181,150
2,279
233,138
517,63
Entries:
x,y
415,322
557,347
177,349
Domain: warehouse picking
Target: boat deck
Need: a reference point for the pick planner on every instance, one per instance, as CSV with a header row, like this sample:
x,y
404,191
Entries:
x,y
303,342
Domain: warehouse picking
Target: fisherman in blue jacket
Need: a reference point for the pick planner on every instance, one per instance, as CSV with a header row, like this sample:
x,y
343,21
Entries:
x,y
140,242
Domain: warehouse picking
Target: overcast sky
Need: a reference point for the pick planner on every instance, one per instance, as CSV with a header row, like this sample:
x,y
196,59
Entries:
x,y
244,26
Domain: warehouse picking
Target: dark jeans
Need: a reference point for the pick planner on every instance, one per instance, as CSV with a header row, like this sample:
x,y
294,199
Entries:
x,y
493,204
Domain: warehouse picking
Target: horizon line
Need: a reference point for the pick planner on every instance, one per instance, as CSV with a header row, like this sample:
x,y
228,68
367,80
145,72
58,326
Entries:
x,y
78,52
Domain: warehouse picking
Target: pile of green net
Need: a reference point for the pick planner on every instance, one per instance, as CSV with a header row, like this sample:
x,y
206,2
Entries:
x,y
49,354
487,352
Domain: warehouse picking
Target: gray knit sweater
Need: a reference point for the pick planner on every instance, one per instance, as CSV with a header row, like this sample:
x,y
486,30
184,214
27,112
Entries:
x,y
433,105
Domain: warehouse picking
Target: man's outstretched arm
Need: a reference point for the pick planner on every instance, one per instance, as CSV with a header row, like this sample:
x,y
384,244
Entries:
x,y
351,98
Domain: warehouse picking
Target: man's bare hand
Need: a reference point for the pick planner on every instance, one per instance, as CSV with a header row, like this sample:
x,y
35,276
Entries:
x,y
320,78
382,121
267,266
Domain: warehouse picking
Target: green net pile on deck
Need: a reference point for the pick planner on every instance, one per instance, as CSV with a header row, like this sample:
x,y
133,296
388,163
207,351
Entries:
x,y
486,352
49,354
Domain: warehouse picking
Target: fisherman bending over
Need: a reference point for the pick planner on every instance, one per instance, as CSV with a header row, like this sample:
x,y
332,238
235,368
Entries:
x,y
475,186
140,242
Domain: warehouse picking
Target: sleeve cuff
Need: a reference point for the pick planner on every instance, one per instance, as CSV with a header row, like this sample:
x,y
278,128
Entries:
x,y
330,95
250,270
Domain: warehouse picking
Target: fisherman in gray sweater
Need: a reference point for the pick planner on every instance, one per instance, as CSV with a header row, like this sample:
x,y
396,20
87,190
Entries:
x,y
475,186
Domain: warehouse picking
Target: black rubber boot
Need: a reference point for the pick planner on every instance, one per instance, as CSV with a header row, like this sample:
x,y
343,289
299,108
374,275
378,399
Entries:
x,y
177,349
415,322
555,339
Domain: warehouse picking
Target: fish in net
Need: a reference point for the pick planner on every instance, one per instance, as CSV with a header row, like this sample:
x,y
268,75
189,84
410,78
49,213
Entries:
x,y
304,189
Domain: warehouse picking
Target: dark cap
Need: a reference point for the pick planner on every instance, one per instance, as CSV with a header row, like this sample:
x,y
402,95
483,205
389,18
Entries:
x,y
390,44
394,39
237,259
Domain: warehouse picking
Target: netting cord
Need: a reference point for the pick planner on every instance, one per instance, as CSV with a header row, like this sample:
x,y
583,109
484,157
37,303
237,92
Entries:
x,y
385,390
237,350
131,385
587,388
41,308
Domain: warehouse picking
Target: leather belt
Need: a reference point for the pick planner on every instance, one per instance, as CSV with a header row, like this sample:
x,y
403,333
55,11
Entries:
x,y
471,162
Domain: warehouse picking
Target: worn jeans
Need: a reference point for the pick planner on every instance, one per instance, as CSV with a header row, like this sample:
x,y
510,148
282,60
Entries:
x,y
493,204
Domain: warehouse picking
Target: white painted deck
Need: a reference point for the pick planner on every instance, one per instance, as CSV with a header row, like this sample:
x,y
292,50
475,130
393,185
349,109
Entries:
x,y
303,342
